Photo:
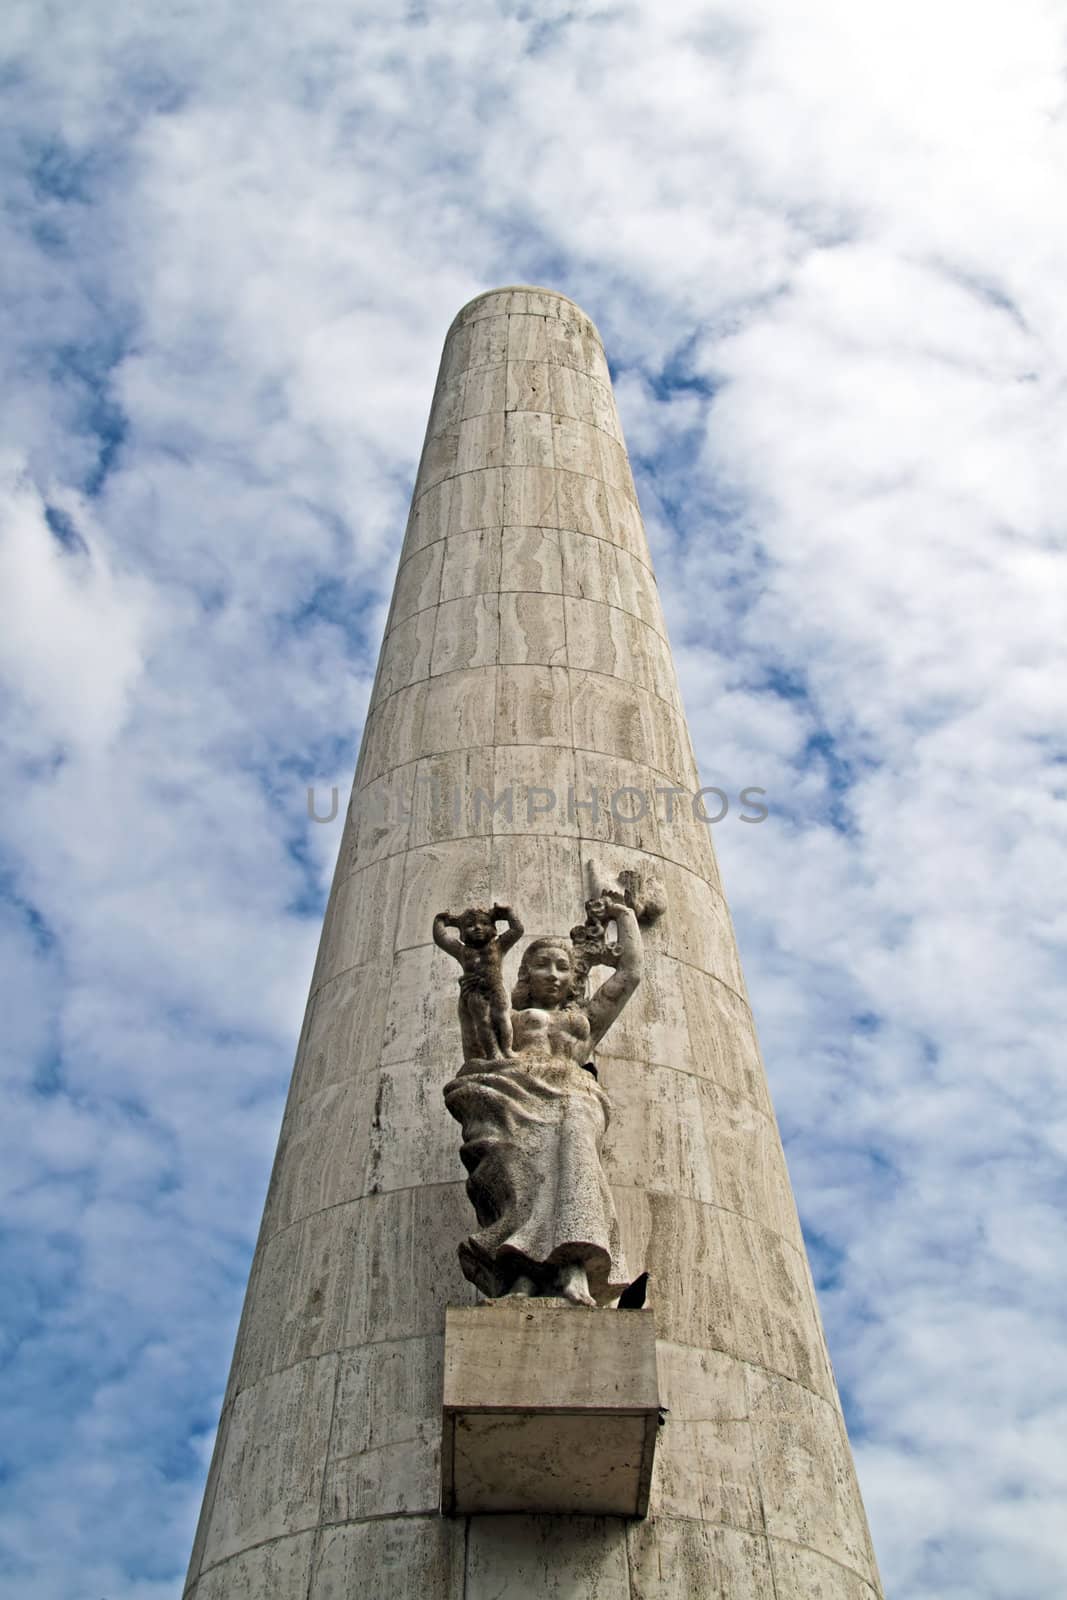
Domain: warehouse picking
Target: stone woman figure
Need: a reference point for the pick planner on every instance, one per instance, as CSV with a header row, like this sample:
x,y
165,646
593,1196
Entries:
x,y
532,1130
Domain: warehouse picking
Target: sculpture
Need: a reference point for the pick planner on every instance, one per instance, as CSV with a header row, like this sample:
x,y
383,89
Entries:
x,y
533,1121
484,1018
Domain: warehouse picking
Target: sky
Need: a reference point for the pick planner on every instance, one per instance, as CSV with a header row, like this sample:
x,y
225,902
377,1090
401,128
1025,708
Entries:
x,y
826,246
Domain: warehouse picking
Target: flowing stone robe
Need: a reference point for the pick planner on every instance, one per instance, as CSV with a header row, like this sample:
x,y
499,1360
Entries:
x,y
532,1132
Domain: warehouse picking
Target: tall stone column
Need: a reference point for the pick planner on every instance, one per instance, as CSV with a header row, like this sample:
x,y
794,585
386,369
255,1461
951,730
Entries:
x,y
525,653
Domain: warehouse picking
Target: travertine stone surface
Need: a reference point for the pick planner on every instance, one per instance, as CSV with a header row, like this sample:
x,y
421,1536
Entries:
x,y
525,650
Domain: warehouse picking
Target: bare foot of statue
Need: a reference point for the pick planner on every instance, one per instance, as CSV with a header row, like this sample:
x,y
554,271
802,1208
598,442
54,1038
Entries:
x,y
574,1285
523,1287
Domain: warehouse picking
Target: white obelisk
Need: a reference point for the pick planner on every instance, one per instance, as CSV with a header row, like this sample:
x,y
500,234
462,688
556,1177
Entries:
x,y
525,652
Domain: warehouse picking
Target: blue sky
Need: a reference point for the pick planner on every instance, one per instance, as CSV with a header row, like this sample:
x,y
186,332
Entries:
x,y
826,249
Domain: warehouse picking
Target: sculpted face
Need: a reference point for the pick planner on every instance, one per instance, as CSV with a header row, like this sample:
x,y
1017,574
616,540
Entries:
x,y
550,975
477,928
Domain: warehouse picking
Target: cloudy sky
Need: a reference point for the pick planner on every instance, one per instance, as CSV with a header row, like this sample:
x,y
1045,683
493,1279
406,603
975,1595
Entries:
x,y
826,246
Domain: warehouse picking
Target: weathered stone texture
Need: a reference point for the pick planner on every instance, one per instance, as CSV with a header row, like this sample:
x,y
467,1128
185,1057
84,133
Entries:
x,y
526,651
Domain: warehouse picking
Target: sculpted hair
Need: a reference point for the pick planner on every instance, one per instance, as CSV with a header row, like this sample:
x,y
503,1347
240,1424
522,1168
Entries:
x,y
520,995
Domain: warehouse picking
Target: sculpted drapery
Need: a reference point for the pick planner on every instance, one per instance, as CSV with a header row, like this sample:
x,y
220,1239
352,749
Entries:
x,y
532,1112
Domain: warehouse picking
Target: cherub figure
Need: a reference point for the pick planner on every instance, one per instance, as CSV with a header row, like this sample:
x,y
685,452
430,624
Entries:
x,y
484,1007
590,945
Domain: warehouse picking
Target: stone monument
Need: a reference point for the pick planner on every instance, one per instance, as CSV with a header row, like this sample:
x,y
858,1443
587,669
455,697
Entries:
x,y
427,1399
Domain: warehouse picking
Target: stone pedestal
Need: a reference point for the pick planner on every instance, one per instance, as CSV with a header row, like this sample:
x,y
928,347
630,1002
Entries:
x,y
548,1408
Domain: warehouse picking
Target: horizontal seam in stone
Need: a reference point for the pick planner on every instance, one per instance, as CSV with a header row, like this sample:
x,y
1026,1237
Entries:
x,y
421,1338
455,1183
520,833
522,411
518,744
797,1544
764,1536
504,527
491,666
527,466
767,1111
582,838
336,1352
467,368
429,946
540,594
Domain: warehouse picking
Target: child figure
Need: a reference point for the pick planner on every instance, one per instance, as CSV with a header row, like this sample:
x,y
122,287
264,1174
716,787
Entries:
x,y
484,1009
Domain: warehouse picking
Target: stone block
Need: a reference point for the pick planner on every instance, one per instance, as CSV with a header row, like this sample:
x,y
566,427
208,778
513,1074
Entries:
x,y
610,716
458,711
429,518
810,1494
447,407
705,1462
443,802
471,563
441,877
653,1026
489,341
282,1567
485,391
418,582
361,919
389,1560
532,630
801,1574
378,822
655,1140
528,386
408,1140
391,735
637,591
773,1311
270,1482
421,1009
548,1408
467,633
421,1229
405,655
388,1402
546,1558
529,498
625,811
533,706
527,339
746,1165
539,777
549,870
324,1150
680,1240
528,439
298,1295
723,1035
675,1559
438,459
590,571
576,446
530,560
481,442
343,1028
476,500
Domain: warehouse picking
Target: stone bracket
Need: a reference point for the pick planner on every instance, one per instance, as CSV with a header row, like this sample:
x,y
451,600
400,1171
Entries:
x,y
548,1407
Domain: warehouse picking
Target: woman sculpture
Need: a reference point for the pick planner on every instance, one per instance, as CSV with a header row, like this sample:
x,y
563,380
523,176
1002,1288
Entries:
x,y
533,1125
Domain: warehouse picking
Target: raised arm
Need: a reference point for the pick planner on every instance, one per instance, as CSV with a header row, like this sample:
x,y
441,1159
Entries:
x,y
447,941
604,1006
515,929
